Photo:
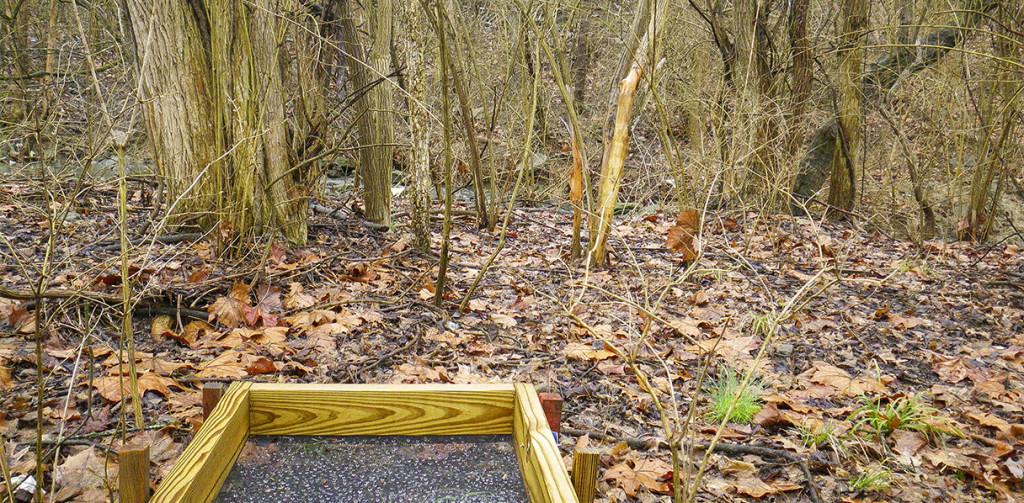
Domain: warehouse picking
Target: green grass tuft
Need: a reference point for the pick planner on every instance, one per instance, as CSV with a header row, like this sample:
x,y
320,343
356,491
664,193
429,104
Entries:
x,y
871,481
823,435
725,390
903,413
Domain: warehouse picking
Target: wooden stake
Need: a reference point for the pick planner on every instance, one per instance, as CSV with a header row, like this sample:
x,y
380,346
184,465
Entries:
x,y
212,391
133,473
585,463
552,405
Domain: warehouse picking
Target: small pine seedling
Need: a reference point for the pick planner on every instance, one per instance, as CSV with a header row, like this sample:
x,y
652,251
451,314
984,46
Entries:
x,y
725,390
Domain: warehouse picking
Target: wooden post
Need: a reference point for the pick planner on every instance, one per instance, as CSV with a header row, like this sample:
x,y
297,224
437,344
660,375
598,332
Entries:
x,y
585,463
552,405
212,391
133,473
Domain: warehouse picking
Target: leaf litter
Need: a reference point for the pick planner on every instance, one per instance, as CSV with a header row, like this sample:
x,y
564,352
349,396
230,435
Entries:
x,y
938,321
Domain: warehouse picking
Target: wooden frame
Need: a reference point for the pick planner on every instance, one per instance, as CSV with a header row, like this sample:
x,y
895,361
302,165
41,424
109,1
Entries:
x,y
369,409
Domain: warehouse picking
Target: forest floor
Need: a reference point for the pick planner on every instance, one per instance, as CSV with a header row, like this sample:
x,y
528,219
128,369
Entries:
x,y
894,371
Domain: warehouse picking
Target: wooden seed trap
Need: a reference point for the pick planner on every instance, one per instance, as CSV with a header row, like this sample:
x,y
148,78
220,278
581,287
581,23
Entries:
x,y
248,409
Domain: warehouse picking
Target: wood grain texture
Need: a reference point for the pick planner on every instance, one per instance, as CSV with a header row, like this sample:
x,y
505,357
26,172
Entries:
x,y
212,392
206,462
380,409
133,474
585,463
539,459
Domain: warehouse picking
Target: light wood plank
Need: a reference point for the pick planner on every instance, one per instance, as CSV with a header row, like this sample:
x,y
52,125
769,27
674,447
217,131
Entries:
x,y
206,462
585,464
539,459
380,409
133,474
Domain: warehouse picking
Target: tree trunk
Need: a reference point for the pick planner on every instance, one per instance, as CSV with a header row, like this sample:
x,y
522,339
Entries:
x,y
801,72
846,149
751,117
415,46
214,100
881,78
369,62
581,60
1000,117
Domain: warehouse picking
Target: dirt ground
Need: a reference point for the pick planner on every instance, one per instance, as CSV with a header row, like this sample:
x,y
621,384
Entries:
x,y
893,371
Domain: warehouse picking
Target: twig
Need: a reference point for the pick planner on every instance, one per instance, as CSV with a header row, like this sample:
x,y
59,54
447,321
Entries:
x,y
720,447
149,307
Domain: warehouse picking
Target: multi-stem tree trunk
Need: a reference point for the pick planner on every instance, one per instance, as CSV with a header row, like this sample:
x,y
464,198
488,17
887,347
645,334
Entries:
x,y
369,62
617,142
751,117
878,81
415,48
845,152
1000,118
213,96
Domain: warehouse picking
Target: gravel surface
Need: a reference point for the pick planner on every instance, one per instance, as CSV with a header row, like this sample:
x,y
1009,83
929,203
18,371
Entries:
x,y
450,469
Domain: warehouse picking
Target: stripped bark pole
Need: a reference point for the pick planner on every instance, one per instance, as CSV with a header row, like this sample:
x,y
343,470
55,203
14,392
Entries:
x,y
617,144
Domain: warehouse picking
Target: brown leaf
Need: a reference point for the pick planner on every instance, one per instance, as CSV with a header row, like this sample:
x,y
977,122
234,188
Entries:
x,y
837,378
652,474
227,365
230,310
199,275
757,488
160,328
908,443
6,382
580,351
297,298
951,370
681,235
503,320
268,298
361,273
197,330
82,476
110,387
261,366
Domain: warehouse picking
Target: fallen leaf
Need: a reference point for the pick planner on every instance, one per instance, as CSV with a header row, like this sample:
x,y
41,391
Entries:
x,y
297,298
6,382
197,330
837,378
82,477
261,366
503,320
110,387
908,443
757,488
652,474
681,235
230,310
580,351
160,328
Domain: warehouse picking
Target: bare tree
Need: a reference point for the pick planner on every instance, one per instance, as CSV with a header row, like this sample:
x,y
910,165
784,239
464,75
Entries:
x,y
853,21
369,63
415,48
213,94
